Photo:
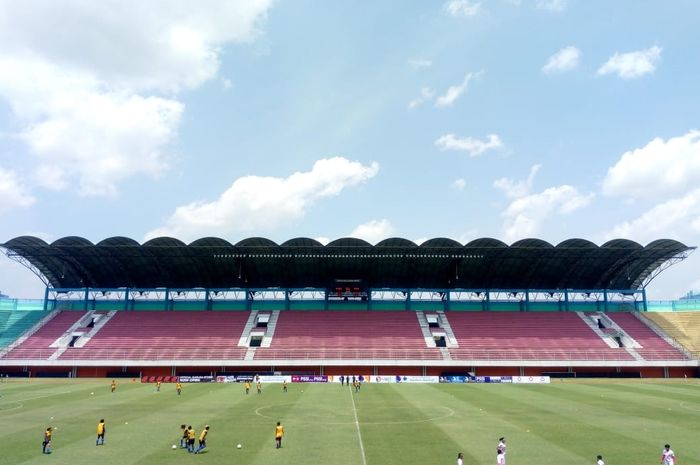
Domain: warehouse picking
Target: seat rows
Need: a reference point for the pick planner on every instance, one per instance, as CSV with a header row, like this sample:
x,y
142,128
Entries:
x,y
527,336
37,345
653,346
684,327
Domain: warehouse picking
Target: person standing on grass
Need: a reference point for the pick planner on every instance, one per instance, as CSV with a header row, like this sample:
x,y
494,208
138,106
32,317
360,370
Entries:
x,y
342,380
259,386
460,459
190,439
100,432
158,386
46,444
202,439
113,386
284,386
178,388
183,439
502,444
279,432
667,456
500,457
600,460
247,387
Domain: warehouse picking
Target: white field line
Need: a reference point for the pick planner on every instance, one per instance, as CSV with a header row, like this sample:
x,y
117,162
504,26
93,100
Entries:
x,y
357,425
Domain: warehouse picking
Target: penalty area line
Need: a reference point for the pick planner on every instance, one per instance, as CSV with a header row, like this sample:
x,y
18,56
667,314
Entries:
x,y
357,425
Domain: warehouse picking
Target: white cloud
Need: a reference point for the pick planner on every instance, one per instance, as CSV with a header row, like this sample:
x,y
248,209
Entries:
x,y
95,93
552,5
677,218
13,192
420,62
527,211
633,64
426,94
323,239
470,145
454,92
565,59
226,84
514,189
374,231
256,203
467,236
525,215
462,7
660,169
459,184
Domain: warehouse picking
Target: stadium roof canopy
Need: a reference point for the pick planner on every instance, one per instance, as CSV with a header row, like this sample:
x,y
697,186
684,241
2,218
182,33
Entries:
x,y
214,263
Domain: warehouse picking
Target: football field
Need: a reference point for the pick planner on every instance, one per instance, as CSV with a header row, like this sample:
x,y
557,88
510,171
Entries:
x,y
564,423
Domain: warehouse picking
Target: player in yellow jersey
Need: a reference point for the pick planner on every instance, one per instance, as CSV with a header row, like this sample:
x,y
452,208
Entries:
x,y
113,386
284,386
46,444
259,386
202,439
190,439
183,439
279,432
158,386
178,388
247,387
101,430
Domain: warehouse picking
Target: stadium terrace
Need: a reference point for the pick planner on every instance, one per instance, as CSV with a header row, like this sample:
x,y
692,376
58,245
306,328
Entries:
x,y
165,307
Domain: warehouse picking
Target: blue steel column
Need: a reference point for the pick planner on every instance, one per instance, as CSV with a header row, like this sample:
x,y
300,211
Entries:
x,y
167,295
46,298
287,304
644,299
605,300
408,299
527,300
86,299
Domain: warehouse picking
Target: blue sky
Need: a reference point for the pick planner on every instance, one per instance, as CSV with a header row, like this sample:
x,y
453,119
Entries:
x,y
505,118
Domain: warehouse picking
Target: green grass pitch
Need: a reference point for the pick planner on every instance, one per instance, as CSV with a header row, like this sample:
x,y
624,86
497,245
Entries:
x,y
565,423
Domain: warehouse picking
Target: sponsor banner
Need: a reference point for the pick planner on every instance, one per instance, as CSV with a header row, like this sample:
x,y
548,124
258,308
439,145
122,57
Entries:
x,y
156,379
309,379
362,378
196,379
531,379
417,379
235,379
274,379
454,379
383,379
492,379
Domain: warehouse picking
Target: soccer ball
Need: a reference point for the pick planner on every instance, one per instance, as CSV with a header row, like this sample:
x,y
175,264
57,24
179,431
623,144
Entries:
x,y
238,446
92,393
174,447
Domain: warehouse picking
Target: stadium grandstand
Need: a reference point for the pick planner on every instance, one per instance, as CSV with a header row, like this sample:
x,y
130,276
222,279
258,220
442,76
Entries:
x,y
167,308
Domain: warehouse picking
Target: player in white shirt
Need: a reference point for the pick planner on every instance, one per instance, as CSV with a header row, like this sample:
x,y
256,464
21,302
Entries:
x,y
600,460
460,459
667,456
500,457
502,444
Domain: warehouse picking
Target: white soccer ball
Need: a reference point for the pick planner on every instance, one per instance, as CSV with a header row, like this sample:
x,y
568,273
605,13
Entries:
x,y
92,393
238,446
174,447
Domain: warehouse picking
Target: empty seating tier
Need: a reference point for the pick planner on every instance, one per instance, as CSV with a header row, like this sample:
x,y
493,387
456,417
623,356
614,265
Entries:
x,y
527,336
348,335
684,327
37,346
653,346
193,335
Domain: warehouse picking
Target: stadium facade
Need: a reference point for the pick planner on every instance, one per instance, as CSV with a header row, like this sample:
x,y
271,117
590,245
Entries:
x,y
443,296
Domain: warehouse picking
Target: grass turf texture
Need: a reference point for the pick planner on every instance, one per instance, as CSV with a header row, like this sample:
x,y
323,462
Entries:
x,y
562,423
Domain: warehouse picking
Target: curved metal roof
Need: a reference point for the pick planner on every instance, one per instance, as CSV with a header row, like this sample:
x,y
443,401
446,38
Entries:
x,y
211,262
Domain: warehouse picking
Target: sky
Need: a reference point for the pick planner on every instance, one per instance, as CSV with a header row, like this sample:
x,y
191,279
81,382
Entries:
x,y
462,118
